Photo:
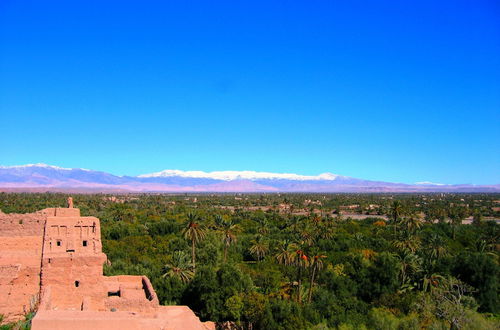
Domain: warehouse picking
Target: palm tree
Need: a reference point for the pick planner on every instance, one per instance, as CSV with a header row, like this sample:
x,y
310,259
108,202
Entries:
x,y
285,252
411,223
300,260
179,267
293,223
228,229
436,247
315,218
410,264
306,237
441,214
259,247
477,217
431,282
325,229
457,214
263,226
406,242
431,214
396,213
316,265
285,255
195,233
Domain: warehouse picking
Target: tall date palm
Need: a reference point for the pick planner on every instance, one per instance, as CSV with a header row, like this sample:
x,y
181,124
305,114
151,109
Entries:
x,y
396,213
285,253
259,247
229,229
300,260
316,265
195,233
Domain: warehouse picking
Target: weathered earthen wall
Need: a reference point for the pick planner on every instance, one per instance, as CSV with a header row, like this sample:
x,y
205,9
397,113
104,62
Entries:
x,y
72,261
21,240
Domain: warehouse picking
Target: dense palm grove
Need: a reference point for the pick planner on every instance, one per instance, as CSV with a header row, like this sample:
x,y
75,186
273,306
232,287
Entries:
x,y
298,261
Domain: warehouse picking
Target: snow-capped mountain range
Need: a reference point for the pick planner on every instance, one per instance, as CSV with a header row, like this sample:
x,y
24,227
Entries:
x,y
238,175
42,177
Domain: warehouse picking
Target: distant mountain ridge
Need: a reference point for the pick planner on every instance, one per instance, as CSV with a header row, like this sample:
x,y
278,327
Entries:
x,y
43,177
238,175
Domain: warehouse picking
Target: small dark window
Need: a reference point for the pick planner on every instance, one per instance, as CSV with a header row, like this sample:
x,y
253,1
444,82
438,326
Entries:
x,y
114,293
77,284
58,243
84,243
70,250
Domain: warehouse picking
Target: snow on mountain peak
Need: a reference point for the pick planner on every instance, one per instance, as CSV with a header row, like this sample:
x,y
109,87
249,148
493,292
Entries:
x,y
428,183
239,175
41,165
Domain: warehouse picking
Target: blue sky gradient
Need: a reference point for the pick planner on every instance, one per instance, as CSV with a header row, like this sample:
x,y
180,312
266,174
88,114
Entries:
x,y
387,90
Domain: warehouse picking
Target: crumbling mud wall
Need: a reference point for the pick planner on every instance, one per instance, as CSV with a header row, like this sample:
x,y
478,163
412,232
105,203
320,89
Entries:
x,y
21,243
72,261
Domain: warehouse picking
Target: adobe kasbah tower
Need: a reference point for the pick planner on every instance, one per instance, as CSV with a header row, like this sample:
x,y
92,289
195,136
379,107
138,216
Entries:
x,y
52,261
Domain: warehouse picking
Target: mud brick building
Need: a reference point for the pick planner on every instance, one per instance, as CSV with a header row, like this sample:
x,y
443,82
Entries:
x,y
53,260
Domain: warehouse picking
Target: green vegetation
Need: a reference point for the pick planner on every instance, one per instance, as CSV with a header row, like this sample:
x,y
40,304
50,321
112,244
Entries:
x,y
20,325
301,261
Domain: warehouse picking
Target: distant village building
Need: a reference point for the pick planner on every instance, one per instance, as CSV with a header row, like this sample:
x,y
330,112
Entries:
x,y
283,207
53,258
349,207
311,202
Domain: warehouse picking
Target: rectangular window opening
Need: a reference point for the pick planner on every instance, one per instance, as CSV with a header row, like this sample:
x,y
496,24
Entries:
x,y
114,293
84,243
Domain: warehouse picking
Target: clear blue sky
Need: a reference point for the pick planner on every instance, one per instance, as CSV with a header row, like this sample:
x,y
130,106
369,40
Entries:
x,y
400,91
